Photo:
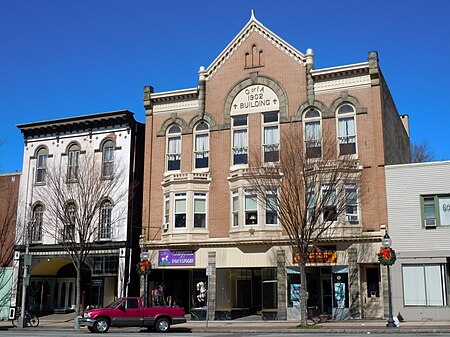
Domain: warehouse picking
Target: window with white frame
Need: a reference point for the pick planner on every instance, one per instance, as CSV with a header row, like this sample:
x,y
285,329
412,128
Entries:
x,y
166,212
313,133
37,224
329,198
199,210
235,209
251,208
425,285
271,142
108,159
240,140
201,151
105,223
180,210
72,162
174,148
351,202
435,210
271,208
68,233
346,129
41,165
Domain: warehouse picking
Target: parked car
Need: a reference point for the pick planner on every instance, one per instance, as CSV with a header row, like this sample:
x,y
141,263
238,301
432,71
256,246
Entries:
x,y
129,312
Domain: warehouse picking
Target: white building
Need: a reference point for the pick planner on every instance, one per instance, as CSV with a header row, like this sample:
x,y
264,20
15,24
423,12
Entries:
x,y
418,198
112,140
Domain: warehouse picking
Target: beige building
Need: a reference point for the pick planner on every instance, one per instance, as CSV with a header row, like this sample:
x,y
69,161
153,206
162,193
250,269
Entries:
x,y
199,210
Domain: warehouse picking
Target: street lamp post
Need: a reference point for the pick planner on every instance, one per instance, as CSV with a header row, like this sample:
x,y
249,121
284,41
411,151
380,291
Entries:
x,y
26,278
144,257
387,242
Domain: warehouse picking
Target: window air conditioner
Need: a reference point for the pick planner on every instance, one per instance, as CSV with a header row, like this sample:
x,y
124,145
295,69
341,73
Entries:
x,y
165,226
352,217
430,223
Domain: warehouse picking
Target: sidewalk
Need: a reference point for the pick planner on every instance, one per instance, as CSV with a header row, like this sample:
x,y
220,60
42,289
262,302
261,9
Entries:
x,y
65,321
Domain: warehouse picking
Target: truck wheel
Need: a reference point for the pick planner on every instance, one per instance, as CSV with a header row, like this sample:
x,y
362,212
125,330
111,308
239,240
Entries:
x,y
162,325
101,325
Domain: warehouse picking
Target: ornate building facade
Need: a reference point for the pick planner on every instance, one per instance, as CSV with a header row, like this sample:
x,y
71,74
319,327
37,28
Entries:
x,y
201,219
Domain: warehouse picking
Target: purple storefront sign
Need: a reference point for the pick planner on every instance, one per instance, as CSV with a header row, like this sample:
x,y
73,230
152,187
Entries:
x,y
176,258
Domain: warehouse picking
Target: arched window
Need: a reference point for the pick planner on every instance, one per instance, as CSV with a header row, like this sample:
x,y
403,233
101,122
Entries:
x,y
346,129
108,159
173,151
313,133
41,165
72,162
105,220
38,220
201,151
271,140
68,232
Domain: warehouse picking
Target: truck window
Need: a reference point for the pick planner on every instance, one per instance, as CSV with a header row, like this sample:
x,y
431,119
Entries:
x,y
132,303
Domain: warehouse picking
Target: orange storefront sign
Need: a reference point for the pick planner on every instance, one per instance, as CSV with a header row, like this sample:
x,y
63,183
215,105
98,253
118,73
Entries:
x,y
318,257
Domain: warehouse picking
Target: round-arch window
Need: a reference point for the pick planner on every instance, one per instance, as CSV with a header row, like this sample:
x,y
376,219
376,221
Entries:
x,y
312,113
345,109
202,126
174,129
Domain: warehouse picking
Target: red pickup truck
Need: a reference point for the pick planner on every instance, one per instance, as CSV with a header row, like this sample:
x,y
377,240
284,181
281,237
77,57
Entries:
x,y
129,312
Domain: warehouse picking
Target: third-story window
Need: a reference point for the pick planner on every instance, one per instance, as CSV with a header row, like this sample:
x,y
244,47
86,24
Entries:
x,y
173,148
271,142
108,159
346,130
240,141
72,162
180,210
201,145
313,134
351,202
199,210
105,224
41,165
251,208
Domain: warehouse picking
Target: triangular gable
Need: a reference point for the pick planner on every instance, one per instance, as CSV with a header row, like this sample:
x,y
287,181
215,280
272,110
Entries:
x,y
254,25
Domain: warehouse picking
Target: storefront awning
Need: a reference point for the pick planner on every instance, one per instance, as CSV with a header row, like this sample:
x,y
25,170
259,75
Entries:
x,y
49,267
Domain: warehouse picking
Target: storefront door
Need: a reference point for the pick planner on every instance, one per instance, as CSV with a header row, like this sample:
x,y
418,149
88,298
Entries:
x,y
371,295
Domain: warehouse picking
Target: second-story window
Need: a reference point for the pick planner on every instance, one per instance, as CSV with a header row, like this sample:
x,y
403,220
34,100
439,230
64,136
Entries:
x,y
41,165
72,162
108,159
201,151
105,221
240,140
271,143
37,224
251,208
271,208
346,130
68,232
313,134
199,210
351,202
235,208
180,210
173,148
330,202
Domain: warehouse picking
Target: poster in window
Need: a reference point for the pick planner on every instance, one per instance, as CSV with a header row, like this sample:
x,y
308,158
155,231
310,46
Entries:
x,y
444,210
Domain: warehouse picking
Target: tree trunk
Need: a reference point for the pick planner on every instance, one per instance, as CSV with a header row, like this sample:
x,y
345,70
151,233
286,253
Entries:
x,y
78,295
304,293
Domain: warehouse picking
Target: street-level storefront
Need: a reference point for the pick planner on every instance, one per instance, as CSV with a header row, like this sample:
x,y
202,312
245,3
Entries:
x,y
52,280
343,281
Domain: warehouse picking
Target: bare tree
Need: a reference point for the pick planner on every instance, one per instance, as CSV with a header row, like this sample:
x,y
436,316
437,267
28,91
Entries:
x,y
78,202
309,190
421,152
9,187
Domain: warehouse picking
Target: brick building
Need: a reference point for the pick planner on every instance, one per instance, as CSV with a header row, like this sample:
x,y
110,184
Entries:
x,y
199,210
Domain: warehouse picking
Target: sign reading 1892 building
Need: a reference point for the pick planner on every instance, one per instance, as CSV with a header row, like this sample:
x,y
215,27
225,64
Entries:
x,y
255,98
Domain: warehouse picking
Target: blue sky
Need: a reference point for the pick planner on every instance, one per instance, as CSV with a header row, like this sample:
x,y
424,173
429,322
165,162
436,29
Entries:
x,y
73,57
